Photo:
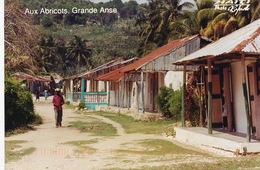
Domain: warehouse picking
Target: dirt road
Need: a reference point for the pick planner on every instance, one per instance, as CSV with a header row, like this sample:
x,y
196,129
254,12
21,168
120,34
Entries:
x,y
52,152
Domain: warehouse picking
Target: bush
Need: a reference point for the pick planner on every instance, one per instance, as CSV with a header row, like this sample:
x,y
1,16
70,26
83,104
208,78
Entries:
x,y
176,105
67,102
162,100
19,108
170,104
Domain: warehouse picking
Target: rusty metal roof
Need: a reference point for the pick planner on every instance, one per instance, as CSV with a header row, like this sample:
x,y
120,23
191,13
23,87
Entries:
x,y
119,73
157,53
113,75
29,77
243,40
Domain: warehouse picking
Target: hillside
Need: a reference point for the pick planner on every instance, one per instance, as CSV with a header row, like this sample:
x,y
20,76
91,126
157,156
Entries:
x,y
119,38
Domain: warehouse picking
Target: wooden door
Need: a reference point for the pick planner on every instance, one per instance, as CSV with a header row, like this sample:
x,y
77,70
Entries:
x,y
153,91
253,71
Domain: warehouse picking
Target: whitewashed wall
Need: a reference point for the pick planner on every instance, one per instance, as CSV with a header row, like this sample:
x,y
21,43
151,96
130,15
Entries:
x,y
174,79
238,98
101,86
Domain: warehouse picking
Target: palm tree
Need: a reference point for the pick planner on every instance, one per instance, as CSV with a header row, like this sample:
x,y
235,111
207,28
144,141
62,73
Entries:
x,y
164,23
215,23
79,52
254,10
47,54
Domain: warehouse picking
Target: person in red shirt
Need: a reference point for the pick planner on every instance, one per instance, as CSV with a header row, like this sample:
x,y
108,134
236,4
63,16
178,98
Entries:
x,y
57,102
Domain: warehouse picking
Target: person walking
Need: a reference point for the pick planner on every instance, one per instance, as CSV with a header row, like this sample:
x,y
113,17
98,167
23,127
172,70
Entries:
x,y
46,94
57,102
37,95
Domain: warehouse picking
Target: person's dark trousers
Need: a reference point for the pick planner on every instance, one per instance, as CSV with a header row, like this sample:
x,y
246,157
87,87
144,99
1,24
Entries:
x,y
58,117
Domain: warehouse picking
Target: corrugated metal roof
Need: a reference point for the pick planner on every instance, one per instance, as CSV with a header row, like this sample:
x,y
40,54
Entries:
x,y
157,53
119,73
29,77
101,67
245,39
113,75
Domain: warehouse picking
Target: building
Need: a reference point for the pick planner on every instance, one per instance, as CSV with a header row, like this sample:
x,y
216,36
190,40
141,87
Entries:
x,y
84,86
233,79
136,85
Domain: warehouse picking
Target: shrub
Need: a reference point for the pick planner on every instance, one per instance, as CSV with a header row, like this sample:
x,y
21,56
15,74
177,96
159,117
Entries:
x,y
176,104
162,100
67,102
19,108
170,104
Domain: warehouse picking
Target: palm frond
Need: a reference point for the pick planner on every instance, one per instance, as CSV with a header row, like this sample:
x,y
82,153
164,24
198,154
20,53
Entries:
x,y
231,25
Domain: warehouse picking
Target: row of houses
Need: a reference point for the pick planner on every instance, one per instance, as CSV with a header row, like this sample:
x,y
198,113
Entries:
x,y
40,82
230,66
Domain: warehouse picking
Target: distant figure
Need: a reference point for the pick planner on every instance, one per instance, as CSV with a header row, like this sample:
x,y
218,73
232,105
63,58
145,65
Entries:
x,y
57,102
37,95
46,94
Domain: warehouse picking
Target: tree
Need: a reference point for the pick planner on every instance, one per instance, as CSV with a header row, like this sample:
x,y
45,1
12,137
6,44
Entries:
x,y
20,36
79,52
46,21
165,23
216,23
47,54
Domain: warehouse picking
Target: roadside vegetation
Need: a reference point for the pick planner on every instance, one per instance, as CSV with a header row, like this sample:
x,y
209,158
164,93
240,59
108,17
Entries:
x,y
13,151
82,148
170,104
19,108
156,147
97,128
132,125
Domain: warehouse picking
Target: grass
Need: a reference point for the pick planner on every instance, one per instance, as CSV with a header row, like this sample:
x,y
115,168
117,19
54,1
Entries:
x,y
82,149
72,107
136,126
158,147
248,162
97,128
81,142
11,154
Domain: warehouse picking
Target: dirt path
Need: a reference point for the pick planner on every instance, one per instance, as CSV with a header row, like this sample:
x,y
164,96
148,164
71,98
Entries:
x,y
52,153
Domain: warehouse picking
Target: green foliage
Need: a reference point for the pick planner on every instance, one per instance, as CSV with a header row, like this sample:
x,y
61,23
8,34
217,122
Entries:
x,y
170,104
67,102
176,104
19,108
162,100
68,53
46,21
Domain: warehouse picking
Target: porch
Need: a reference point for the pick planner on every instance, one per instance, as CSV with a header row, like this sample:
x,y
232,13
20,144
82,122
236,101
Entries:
x,y
220,142
91,99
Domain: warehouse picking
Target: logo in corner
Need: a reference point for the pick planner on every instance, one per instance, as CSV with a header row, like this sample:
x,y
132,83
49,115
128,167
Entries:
x,y
233,6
